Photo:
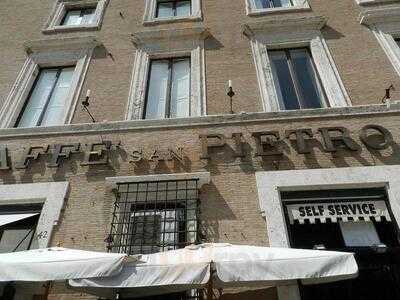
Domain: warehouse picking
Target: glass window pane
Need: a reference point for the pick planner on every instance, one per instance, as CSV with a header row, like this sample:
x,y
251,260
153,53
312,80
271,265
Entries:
x,y
15,240
308,83
359,234
157,91
262,4
56,108
283,82
183,8
282,3
72,17
165,9
38,98
180,89
88,16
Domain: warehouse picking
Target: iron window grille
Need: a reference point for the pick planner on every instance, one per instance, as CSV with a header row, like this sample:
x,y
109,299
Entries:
x,y
155,216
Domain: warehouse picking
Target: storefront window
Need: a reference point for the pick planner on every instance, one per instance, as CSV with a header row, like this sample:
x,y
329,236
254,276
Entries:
x,y
18,227
359,221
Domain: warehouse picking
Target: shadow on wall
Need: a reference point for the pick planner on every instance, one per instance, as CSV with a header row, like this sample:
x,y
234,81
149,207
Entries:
x,y
261,294
213,208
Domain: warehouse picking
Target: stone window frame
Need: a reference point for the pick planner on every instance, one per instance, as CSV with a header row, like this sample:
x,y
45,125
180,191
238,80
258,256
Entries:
x,y
51,194
385,25
168,43
292,33
53,24
149,17
270,183
43,54
299,5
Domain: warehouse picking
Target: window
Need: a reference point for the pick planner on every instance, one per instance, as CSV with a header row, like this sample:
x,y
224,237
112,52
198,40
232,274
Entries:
x,y
166,9
44,95
260,4
168,93
260,7
79,17
294,67
168,80
72,15
158,11
296,81
46,104
154,216
28,210
18,227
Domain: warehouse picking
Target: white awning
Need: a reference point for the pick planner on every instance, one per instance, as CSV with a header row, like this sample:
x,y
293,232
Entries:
x,y
11,218
51,264
338,211
233,265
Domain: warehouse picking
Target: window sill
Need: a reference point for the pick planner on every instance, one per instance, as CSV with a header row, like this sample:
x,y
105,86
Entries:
x,y
157,21
372,2
57,29
277,10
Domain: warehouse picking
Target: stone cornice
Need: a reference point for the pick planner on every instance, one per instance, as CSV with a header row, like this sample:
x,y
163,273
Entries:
x,y
284,24
61,44
380,15
206,121
148,36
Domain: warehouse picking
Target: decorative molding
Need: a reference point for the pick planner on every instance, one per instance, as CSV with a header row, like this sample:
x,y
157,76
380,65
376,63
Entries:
x,y
326,114
289,33
61,44
149,17
51,194
385,25
380,15
53,24
153,44
299,5
49,53
161,37
285,24
203,177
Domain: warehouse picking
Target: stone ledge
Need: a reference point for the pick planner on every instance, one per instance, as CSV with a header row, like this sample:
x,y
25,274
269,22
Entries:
x,y
203,177
206,121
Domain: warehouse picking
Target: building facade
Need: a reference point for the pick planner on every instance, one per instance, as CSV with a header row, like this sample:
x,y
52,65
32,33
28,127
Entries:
x,y
117,132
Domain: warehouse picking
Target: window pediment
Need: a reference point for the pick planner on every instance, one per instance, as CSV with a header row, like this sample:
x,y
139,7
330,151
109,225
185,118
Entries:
x,y
275,26
381,15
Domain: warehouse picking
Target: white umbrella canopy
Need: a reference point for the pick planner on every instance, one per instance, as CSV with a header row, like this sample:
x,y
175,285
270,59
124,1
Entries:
x,y
53,264
230,266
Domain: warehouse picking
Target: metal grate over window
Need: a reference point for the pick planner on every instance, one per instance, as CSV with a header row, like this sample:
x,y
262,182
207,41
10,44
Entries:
x,y
154,216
